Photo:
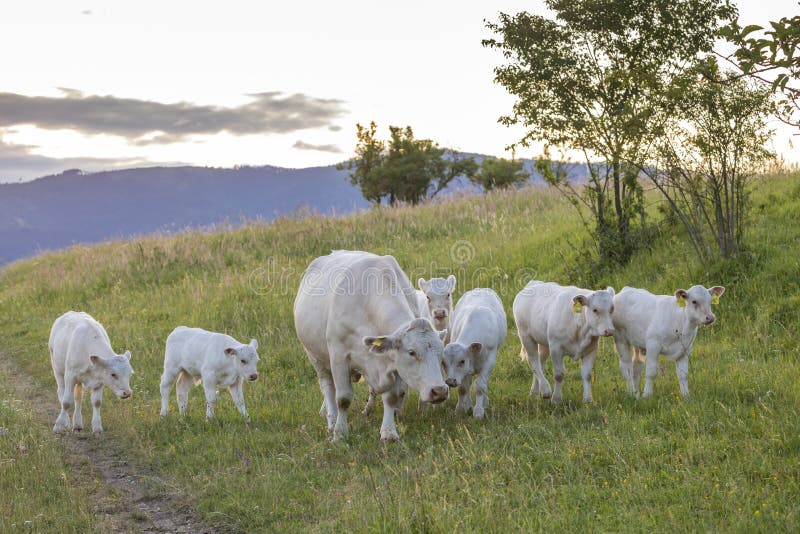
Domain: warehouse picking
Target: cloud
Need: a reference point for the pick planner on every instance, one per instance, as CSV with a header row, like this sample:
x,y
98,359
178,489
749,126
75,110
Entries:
x,y
302,145
18,162
149,122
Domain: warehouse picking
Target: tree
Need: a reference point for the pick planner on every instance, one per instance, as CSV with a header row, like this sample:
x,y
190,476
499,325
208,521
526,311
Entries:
x,y
703,166
593,81
500,173
402,169
771,56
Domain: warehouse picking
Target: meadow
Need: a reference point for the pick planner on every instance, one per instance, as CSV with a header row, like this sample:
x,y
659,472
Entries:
x,y
726,459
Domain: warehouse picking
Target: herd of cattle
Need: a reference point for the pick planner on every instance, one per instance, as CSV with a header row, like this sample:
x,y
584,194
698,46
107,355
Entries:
x,y
357,315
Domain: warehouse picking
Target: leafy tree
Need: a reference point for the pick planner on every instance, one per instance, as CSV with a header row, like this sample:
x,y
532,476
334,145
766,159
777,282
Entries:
x,y
771,56
703,167
500,173
593,80
402,169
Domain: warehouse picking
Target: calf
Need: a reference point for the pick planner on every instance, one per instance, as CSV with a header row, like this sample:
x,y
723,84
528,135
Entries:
x,y
194,355
435,301
356,311
82,357
556,320
478,329
659,324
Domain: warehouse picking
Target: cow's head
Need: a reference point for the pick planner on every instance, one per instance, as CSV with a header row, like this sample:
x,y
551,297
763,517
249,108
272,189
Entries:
x,y
457,362
439,292
597,308
415,351
244,358
696,302
114,372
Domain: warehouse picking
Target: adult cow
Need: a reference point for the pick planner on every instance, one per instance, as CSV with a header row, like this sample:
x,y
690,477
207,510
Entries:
x,y
559,320
357,312
659,324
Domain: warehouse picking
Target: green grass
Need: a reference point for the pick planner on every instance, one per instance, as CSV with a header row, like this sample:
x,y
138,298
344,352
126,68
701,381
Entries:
x,y
38,492
726,459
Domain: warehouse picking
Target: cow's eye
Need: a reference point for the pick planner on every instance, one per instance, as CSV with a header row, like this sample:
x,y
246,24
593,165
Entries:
x,y
113,375
461,362
244,361
694,302
448,295
412,353
429,299
595,310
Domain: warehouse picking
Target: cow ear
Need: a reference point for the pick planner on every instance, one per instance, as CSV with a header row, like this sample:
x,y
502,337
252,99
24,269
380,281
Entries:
x,y
127,355
422,284
230,351
717,290
476,347
98,361
442,334
451,282
611,290
680,296
380,344
578,302
254,343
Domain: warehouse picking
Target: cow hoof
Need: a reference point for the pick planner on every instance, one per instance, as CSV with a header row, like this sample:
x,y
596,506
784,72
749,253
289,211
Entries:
x,y
98,430
587,400
389,436
555,399
59,429
77,428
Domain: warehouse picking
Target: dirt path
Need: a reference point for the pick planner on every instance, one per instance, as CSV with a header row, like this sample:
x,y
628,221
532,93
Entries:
x,y
128,497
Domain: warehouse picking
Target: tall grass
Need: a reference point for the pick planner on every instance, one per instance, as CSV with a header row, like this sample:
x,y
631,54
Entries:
x,y
726,459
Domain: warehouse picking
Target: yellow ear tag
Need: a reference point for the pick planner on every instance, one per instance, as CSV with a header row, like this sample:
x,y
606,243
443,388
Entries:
x,y
577,307
681,302
378,341
714,298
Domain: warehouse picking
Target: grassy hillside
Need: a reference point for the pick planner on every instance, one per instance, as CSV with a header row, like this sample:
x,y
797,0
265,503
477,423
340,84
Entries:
x,y
726,459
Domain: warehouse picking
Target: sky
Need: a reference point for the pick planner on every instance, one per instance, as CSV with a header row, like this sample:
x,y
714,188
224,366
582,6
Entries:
x,y
104,84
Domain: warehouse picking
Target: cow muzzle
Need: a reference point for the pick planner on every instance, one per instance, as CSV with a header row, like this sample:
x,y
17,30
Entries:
x,y
608,332
439,394
439,314
452,382
253,377
709,319
125,395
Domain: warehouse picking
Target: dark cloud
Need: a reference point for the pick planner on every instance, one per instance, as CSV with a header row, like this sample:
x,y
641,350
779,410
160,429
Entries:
x,y
148,122
302,145
18,162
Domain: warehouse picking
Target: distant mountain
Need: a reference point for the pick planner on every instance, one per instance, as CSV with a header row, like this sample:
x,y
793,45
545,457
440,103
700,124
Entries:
x,y
73,207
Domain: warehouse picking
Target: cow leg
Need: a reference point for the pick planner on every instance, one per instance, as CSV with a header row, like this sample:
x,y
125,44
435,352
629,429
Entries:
x,y
391,399
97,401
558,372
650,369
587,364
167,379
77,416
682,370
537,355
210,388
182,388
325,379
67,400
625,363
370,404
238,398
344,397
402,392
482,388
638,360
464,400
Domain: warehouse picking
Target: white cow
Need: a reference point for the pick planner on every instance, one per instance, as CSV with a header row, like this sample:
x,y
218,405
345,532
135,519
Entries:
x,y
435,300
659,324
478,329
356,311
194,355
559,320
435,303
82,357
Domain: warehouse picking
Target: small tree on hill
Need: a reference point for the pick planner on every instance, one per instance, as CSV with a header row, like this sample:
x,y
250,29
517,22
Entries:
x,y
402,169
500,173
707,156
